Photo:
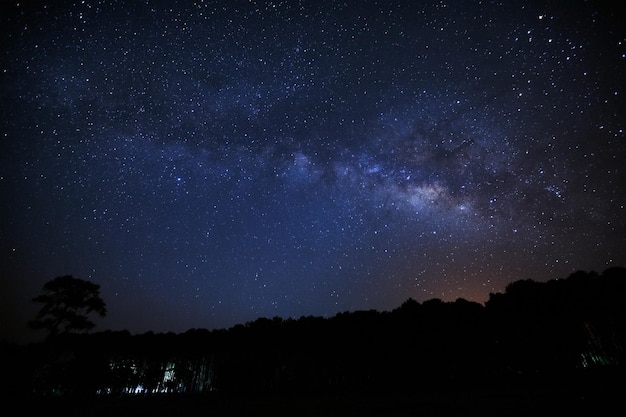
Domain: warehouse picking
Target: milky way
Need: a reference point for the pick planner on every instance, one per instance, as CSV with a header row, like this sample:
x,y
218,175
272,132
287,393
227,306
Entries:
x,y
209,163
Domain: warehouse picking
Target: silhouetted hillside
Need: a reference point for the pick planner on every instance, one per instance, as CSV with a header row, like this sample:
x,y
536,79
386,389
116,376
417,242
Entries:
x,y
562,333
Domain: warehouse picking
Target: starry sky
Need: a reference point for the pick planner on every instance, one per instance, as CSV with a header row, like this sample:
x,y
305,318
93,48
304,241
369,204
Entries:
x,y
211,162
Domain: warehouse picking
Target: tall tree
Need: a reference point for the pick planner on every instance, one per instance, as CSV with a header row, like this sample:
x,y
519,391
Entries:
x,y
67,302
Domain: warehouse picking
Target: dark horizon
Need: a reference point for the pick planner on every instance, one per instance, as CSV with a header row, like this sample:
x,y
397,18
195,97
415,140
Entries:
x,y
29,335
539,348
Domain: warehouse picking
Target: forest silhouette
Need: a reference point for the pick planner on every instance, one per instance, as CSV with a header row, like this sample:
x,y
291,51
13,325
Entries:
x,y
538,347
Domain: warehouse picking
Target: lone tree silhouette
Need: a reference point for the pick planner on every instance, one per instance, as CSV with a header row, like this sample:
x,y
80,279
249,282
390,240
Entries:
x,y
66,303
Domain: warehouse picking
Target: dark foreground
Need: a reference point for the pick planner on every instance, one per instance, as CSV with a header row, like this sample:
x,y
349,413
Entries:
x,y
594,394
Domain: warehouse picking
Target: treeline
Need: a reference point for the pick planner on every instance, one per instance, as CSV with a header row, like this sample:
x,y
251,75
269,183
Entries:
x,y
554,328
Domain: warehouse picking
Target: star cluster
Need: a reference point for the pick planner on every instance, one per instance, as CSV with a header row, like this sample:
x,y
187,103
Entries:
x,y
211,162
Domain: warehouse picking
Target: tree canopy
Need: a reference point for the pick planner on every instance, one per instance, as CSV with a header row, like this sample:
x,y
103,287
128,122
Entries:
x,y
67,302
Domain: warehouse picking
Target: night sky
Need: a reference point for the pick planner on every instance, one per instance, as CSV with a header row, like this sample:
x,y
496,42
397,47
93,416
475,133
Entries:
x,y
211,162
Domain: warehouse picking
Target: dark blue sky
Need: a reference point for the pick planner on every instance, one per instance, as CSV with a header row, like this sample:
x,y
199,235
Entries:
x,y
209,163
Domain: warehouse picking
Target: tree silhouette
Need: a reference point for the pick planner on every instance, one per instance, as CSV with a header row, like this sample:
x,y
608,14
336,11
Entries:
x,y
66,303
